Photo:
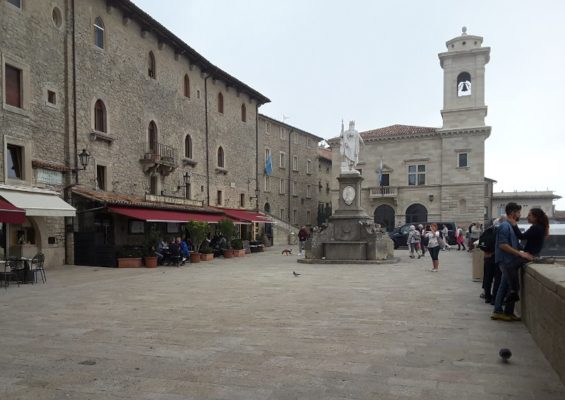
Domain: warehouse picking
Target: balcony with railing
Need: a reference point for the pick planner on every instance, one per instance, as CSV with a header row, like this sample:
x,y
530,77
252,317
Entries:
x,y
158,157
383,191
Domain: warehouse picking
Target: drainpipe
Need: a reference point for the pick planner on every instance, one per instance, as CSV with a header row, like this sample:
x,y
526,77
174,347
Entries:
x,y
256,157
207,139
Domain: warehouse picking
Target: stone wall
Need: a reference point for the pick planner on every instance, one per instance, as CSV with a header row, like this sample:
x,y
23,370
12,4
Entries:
x,y
543,310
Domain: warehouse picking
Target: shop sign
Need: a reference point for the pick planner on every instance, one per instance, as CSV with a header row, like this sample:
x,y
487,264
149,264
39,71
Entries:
x,y
49,177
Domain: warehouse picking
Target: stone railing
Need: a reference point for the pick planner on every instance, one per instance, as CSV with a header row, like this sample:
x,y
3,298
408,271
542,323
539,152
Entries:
x,y
383,191
543,311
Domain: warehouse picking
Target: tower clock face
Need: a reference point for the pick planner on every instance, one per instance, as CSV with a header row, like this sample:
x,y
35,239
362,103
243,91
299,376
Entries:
x,y
348,195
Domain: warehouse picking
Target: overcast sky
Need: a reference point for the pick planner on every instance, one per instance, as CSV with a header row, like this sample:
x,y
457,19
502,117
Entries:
x,y
376,62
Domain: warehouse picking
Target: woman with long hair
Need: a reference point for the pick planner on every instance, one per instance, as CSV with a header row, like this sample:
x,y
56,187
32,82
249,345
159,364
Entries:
x,y
433,246
535,237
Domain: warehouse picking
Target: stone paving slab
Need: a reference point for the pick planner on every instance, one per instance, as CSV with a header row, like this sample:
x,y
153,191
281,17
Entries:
x,y
246,328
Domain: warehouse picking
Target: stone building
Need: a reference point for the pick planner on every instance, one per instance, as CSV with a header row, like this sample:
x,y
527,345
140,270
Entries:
x,y
290,189
528,199
163,127
417,174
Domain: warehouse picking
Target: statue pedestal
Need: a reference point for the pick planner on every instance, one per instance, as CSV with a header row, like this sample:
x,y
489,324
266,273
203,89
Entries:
x,y
351,234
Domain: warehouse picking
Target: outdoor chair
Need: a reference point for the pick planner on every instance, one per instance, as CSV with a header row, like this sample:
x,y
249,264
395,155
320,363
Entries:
x,y
13,271
37,267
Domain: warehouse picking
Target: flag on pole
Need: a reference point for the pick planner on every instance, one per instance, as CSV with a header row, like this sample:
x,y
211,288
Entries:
x,y
269,165
380,174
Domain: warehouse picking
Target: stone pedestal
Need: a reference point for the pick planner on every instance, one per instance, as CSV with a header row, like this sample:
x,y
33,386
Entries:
x,y
351,234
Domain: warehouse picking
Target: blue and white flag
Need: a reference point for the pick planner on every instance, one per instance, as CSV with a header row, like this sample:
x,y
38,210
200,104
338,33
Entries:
x,y
269,165
380,174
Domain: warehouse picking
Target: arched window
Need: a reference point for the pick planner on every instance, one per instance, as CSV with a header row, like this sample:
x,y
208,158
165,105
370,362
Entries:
x,y
221,162
186,86
464,84
152,66
100,116
243,113
188,146
153,137
99,32
220,103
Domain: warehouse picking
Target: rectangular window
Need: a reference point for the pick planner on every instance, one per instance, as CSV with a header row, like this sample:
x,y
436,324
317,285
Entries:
x,y
282,214
219,199
308,142
282,159
13,85
15,161
295,163
294,188
462,160
267,128
51,97
101,177
294,216
308,217
282,186
153,185
416,175
267,154
309,167
295,138
308,191
242,200
267,182
385,180
281,133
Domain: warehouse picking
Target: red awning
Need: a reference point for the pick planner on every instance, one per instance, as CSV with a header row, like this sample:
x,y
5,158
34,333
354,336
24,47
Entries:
x,y
151,215
245,215
11,214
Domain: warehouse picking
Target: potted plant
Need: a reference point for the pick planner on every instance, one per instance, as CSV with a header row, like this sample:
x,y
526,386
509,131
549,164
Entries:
x,y
206,253
198,231
227,229
151,239
130,257
237,246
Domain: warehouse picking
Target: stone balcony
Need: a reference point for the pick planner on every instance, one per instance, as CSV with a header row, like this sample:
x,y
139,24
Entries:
x,y
383,191
158,157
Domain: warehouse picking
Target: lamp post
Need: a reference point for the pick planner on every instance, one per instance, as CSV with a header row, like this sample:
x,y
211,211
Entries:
x,y
84,158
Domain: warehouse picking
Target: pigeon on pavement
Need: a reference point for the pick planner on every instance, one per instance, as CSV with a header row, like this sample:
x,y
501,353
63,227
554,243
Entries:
x,y
505,354
295,273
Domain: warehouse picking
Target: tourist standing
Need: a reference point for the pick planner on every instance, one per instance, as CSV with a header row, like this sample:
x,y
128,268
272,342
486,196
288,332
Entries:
x,y
433,246
460,238
414,241
302,237
422,233
507,252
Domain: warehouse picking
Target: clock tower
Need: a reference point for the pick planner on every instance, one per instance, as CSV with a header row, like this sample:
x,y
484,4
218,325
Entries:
x,y
464,82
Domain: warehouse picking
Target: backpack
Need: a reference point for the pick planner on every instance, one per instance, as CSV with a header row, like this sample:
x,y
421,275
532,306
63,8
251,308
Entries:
x,y
487,240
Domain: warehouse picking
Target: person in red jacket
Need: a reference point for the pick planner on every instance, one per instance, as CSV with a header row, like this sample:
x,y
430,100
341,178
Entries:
x,y
302,236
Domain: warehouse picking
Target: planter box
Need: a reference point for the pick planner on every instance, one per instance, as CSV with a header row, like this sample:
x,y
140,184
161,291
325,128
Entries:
x,y
130,262
194,257
206,257
228,253
240,253
150,262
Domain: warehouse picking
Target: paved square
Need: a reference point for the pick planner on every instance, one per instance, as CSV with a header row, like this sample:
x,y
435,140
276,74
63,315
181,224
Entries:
x,y
248,329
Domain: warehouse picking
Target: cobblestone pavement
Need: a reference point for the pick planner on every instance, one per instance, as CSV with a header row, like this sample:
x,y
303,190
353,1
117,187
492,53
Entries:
x,y
248,329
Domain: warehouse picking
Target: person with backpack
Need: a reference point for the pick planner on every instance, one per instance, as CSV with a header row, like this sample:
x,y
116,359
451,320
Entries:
x,y
491,272
460,238
414,241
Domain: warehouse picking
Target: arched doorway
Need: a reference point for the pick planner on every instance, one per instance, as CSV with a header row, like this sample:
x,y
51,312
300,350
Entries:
x,y
384,215
416,213
267,208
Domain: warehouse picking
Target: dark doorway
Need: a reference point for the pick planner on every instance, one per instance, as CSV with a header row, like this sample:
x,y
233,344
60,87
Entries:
x,y
384,215
416,213
267,208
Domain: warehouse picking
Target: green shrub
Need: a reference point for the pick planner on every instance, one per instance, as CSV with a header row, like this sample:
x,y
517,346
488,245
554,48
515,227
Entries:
x,y
237,244
198,231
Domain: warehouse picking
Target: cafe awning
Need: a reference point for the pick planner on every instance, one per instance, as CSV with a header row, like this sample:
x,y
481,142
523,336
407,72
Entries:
x,y
10,214
151,215
245,216
38,204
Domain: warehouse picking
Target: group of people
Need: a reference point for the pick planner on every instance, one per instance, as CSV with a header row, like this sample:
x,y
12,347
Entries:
x,y
173,251
506,256
431,239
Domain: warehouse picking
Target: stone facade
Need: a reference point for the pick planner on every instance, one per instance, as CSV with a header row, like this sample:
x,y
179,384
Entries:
x,y
291,192
431,174
533,199
324,183
140,91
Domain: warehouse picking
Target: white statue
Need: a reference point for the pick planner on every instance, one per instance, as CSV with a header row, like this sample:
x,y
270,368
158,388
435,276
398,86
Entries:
x,y
350,142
